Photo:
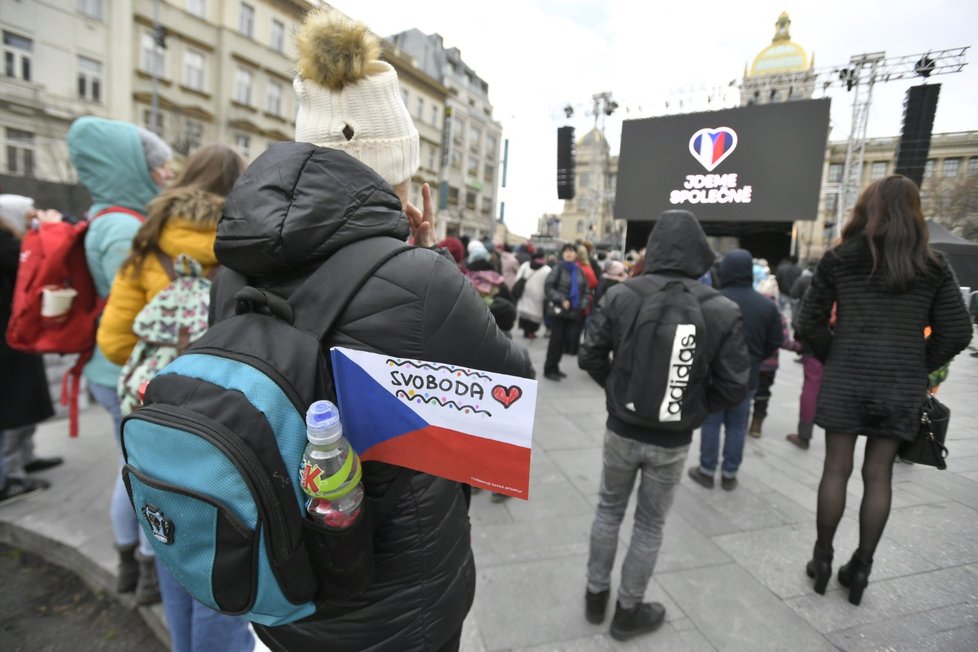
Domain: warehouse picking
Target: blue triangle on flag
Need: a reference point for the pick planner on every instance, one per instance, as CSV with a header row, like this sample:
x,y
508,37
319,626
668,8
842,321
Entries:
x,y
370,414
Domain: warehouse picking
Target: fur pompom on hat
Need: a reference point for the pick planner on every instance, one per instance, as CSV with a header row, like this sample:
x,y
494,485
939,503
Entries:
x,y
350,100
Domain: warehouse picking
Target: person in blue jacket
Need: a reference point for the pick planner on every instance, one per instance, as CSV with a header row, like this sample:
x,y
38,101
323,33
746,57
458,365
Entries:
x,y
123,167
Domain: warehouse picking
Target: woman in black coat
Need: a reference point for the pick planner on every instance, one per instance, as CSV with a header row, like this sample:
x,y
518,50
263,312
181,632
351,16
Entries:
x,y
886,285
24,398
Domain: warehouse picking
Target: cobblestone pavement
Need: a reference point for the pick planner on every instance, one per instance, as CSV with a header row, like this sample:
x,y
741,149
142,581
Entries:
x,y
731,571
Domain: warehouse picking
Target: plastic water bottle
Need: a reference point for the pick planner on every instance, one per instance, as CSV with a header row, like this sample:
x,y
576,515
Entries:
x,y
330,472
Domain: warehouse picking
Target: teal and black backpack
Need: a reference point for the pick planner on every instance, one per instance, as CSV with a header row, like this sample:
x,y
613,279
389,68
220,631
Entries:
x,y
212,457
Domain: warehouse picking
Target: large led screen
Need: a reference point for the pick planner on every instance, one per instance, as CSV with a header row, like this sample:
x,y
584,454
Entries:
x,y
760,163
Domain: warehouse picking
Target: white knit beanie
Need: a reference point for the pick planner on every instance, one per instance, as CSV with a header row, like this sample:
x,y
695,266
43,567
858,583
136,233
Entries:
x,y
349,100
13,210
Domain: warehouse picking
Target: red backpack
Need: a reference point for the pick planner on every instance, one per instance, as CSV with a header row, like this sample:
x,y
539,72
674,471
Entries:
x,y
52,255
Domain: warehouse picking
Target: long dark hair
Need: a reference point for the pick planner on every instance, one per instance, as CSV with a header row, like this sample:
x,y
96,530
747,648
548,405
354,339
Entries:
x,y
211,169
888,214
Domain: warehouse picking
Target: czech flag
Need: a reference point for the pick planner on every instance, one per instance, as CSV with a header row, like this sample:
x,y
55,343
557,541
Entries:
x,y
462,424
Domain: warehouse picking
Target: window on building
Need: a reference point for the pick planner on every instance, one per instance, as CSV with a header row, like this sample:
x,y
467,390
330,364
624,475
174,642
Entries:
x,y
475,139
432,157
581,227
197,8
148,121
470,200
419,111
973,166
929,168
20,152
487,205
877,170
242,86
434,115
277,40
458,130
835,172
90,8
153,61
243,143
472,166
17,56
89,79
452,196
489,172
193,134
456,159
193,69
492,142
951,167
831,202
274,98
246,20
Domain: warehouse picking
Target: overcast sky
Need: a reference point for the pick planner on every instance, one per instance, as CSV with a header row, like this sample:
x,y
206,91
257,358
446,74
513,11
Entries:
x,y
539,55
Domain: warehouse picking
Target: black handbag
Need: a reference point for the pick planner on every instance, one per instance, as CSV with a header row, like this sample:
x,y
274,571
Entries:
x,y
928,448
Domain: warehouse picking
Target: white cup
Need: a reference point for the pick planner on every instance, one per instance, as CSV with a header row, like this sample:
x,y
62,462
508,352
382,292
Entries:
x,y
56,302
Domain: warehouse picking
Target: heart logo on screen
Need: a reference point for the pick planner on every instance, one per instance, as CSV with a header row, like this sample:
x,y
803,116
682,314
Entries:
x,y
711,146
507,395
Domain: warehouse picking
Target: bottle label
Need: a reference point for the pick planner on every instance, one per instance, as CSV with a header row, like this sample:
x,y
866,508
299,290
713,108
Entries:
x,y
316,483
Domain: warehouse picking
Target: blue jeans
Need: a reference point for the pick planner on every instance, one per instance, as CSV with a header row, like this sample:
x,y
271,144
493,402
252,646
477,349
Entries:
x,y
124,524
660,470
195,627
734,421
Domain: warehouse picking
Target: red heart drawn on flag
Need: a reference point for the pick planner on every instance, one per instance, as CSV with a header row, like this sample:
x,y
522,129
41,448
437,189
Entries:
x,y
507,396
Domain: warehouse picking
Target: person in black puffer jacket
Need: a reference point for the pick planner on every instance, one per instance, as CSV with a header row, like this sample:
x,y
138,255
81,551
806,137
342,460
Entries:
x,y
886,285
294,207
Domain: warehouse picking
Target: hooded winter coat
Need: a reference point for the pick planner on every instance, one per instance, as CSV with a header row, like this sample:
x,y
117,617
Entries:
x,y
761,319
109,158
190,229
530,304
876,358
677,250
292,209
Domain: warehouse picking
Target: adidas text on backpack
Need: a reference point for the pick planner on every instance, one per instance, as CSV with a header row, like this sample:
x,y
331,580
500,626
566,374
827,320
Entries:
x,y
52,255
660,372
212,458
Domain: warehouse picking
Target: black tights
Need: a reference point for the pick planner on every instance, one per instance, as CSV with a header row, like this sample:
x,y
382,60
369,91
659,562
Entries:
x,y
877,488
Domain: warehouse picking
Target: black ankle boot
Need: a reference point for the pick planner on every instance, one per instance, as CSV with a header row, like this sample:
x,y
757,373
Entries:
x,y
855,576
596,606
820,568
640,619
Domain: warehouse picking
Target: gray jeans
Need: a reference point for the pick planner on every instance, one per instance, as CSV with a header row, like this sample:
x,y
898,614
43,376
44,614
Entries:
x,y
661,469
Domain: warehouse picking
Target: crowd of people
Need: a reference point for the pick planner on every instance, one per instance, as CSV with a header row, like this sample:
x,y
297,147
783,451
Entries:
x,y
856,321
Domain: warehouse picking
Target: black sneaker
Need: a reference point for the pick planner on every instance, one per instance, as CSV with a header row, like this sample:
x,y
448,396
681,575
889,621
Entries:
x,y
641,619
701,478
552,375
41,463
17,487
561,374
729,484
596,606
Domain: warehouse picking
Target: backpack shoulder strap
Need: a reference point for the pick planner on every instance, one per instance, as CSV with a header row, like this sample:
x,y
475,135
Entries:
x,y
167,265
322,298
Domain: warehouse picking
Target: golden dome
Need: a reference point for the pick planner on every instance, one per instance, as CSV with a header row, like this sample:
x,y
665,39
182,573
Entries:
x,y
783,55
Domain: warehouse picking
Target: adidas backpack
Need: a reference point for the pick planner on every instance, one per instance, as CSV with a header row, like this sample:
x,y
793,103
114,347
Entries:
x,y
660,374
173,319
212,457
52,254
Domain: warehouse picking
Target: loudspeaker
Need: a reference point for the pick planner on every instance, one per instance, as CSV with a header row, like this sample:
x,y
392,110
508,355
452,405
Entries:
x,y
565,163
919,108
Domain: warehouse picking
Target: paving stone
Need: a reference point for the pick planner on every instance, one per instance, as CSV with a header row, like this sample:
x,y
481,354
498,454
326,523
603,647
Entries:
x,y
736,612
958,640
471,635
548,501
558,432
889,599
582,468
542,468
684,547
538,603
690,502
596,643
959,464
483,512
531,540
911,629
945,534
777,556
